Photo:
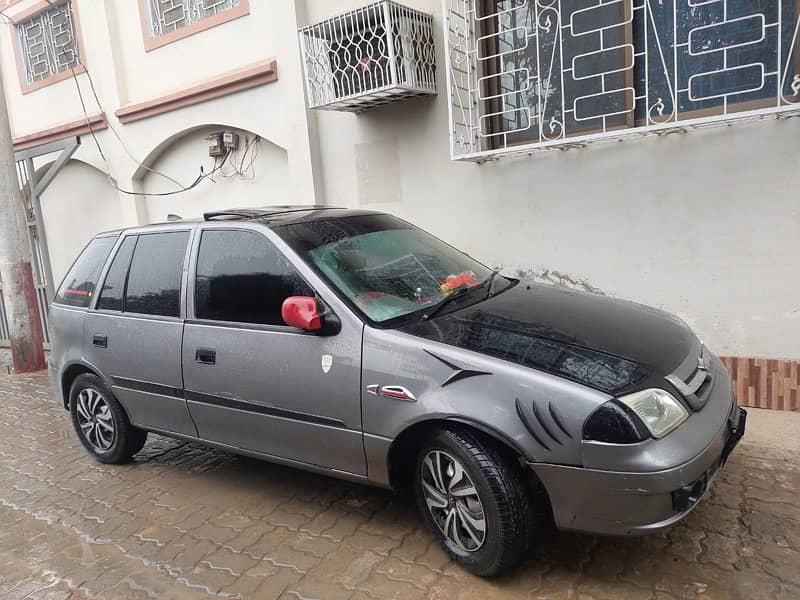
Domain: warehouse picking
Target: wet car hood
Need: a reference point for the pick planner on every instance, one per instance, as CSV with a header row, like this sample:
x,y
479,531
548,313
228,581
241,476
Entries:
x,y
608,344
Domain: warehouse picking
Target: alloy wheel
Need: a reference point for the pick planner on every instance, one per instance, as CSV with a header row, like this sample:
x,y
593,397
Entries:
x,y
95,419
453,500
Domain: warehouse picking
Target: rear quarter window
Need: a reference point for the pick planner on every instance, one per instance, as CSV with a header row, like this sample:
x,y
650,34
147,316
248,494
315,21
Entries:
x,y
79,285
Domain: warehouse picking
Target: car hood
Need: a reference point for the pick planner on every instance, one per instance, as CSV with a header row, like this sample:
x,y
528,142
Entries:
x,y
608,344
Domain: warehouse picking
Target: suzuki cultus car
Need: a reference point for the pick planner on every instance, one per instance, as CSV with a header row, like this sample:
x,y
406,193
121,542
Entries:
x,y
354,344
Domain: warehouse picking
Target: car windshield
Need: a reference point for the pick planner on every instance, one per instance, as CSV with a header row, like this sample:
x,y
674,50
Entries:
x,y
386,267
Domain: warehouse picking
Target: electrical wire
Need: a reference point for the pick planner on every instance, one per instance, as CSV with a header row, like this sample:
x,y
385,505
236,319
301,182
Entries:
x,y
240,170
218,165
115,132
193,185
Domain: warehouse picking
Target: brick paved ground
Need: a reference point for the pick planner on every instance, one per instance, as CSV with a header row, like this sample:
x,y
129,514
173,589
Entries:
x,y
186,522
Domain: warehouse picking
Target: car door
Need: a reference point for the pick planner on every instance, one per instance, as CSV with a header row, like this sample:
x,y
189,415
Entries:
x,y
133,335
251,381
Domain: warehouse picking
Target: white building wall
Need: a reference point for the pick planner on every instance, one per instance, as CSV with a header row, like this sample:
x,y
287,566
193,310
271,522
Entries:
x,y
124,74
703,224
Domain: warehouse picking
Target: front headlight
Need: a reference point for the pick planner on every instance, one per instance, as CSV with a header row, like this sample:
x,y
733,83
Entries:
x,y
659,410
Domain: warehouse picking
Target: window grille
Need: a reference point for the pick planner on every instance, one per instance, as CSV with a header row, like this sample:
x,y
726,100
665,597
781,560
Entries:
x,y
47,43
526,75
377,54
165,16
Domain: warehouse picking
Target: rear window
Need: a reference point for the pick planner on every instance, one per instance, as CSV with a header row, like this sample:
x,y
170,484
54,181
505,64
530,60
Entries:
x,y
78,286
154,278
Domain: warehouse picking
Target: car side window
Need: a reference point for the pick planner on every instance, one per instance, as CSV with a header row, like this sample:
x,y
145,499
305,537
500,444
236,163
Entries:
x,y
113,291
79,283
154,280
243,278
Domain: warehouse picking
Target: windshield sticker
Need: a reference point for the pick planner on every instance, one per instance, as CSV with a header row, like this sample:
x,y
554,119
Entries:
x,y
453,282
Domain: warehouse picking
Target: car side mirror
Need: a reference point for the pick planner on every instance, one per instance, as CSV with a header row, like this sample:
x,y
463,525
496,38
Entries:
x,y
304,313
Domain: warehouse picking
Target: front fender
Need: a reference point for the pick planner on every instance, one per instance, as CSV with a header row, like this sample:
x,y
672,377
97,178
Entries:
x,y
538,414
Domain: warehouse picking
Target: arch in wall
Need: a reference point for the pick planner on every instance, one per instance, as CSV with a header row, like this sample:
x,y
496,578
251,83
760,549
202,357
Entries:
x,y
256,174
77,204
90,161
155,152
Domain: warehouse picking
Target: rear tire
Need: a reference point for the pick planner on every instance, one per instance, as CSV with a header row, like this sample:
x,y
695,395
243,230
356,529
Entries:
x,y
101,423
475,499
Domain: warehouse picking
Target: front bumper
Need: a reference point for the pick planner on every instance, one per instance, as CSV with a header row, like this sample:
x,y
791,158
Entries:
x,y
619,503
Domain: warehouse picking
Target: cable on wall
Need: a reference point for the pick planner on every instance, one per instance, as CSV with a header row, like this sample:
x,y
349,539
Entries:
x,y
218,163
245,169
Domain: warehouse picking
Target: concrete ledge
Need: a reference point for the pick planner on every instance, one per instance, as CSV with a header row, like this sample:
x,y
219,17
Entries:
x,y
59,132
229,83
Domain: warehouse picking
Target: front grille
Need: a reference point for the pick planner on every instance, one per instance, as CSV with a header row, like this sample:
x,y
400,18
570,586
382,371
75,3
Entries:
x,y
696,387
704,391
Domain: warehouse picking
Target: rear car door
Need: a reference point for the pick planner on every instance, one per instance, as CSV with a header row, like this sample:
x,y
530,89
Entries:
x,y
133,335
251,381
68,310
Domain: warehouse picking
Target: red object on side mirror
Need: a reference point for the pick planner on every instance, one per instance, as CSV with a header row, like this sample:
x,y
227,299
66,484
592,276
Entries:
x,y
301,312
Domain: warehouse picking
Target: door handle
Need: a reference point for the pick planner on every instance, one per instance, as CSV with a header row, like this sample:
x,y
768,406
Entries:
x,y
100,341
205,356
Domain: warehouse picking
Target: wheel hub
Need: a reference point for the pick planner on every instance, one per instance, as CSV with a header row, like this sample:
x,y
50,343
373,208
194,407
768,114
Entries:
x,y
453,501
95,419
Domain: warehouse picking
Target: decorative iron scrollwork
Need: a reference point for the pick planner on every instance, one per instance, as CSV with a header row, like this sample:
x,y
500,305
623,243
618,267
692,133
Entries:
x,y
564,74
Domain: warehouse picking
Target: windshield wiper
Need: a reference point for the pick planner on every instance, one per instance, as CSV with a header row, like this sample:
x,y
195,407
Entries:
x,y
460,292
489,283
457,293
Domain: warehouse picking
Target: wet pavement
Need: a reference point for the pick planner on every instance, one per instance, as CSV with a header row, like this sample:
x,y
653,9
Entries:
x,y
187,522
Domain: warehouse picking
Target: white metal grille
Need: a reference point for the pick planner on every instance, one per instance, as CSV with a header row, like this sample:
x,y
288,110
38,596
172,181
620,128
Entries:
x,y
164,16
377,54
526,75
47,42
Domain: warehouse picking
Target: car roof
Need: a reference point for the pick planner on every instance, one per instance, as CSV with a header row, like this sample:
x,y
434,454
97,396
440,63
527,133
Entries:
x,y
271,216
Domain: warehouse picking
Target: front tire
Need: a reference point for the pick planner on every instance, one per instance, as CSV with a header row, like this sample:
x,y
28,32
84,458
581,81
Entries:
x,y
474,498
101,423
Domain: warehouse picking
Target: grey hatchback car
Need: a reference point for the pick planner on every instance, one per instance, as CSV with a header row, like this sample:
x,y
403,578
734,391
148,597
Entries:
x,y
354,344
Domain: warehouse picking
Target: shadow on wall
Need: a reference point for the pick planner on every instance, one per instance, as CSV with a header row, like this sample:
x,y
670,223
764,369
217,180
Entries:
x,y
256,173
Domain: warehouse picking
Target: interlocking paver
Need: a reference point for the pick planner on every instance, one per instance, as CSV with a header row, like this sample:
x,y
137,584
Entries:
x,y
188,522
